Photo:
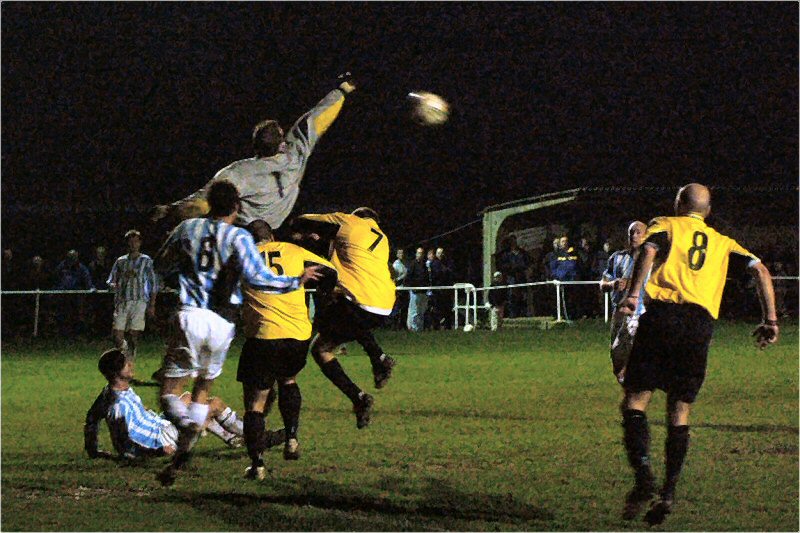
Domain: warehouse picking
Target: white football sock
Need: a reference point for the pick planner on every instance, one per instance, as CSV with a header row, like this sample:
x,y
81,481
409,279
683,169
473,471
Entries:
x,y
198,412
230,421
219,431
175,410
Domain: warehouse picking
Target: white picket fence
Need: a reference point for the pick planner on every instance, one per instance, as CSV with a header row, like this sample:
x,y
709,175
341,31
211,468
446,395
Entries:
x,y
465,298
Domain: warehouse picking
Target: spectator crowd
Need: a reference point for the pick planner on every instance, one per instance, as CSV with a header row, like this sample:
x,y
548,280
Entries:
x,y
418,307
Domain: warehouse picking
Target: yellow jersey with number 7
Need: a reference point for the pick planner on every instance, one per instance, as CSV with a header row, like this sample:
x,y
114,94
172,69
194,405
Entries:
x,y
361,256
692,261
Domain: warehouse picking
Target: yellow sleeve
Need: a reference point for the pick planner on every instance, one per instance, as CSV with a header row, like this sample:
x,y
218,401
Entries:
x,y
314,258
324,120
657,225
330,218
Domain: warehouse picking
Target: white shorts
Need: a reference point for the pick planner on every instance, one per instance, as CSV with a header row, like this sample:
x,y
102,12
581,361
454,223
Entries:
x,y
169,435
198,344
623,333
129,315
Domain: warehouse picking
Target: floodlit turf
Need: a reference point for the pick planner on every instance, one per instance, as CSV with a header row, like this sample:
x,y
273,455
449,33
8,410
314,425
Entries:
x,y
515,430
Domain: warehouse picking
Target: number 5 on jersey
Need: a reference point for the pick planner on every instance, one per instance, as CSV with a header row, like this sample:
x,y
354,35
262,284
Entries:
x,y
271,259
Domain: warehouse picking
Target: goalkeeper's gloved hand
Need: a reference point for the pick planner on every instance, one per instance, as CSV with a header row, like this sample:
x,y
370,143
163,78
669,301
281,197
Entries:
x,y
766,333
346,82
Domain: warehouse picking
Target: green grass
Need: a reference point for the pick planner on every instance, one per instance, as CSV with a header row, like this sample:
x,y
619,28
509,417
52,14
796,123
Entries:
x,y
515,430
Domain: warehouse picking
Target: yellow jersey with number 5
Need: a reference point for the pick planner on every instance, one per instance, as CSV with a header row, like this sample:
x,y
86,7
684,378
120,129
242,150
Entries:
x,y
692,261
361,257
280,316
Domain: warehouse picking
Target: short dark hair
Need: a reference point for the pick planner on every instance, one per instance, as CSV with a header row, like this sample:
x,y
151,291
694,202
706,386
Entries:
x,y
366,212
260,230
223,198
267,138
111,363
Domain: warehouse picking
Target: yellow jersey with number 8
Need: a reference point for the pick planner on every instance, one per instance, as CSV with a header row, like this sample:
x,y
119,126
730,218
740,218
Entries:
x,y
692,261
361,256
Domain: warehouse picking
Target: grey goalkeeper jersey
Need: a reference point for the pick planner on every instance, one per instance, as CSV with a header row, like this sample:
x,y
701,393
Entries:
x,y
269,186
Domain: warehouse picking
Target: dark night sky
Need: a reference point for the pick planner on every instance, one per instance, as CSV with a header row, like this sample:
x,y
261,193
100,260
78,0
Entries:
x,y
135,104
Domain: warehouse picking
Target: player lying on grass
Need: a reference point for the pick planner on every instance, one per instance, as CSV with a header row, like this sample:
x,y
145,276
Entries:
x,y
138,432
278,332
362,301
269,182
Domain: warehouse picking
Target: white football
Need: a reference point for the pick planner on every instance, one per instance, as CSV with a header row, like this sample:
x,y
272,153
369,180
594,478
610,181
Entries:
x,y
468,328
429,109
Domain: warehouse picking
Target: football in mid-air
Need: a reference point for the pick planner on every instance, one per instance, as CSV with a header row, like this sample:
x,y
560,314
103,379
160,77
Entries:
x,y
428,109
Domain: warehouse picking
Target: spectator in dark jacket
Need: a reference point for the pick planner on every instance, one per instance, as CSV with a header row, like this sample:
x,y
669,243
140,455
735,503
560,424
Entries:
x,y
418,299
72,275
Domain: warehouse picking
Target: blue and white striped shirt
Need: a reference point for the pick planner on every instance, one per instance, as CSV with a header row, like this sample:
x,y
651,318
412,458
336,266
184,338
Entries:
x,y
133,428
210,256
133,279
620,266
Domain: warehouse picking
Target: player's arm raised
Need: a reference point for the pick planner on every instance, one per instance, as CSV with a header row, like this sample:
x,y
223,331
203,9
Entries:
x,y
306,131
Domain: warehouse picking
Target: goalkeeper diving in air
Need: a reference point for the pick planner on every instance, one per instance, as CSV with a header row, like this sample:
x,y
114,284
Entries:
x,y
269,182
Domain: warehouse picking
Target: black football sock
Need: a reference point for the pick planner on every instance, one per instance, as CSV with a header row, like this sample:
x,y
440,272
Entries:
x,y
677,445
370,345
254,434
289,402
637,443
334,372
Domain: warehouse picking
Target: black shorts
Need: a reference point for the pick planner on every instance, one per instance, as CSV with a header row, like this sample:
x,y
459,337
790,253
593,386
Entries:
x,y
339,320
670,350
262,360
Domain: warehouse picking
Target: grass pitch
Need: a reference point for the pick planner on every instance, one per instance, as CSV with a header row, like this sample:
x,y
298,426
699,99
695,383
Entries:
x,y
514,430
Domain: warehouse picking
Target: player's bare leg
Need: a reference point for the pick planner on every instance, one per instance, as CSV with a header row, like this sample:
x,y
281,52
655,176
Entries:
x,y
675,448
322,351
184,419
132,338
637,445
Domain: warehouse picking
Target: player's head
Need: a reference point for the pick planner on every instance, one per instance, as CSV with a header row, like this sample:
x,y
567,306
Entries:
x,y
439,253
556,243
420,253
72,256
113,364
563,241
366,212
636,230
260,230
267,138
693,198
223,199
431,254
134,240
100,252
400,253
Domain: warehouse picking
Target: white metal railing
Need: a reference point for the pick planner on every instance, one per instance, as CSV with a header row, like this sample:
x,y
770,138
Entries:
x,y
469,307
